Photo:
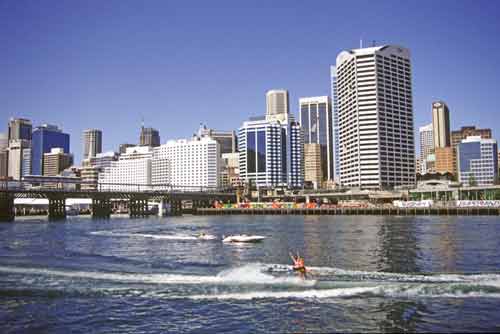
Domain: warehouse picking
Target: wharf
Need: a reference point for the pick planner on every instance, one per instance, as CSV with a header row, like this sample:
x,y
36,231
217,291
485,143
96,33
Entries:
x,y
449,211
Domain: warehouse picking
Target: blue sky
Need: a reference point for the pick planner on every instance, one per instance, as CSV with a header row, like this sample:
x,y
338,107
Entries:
x,y
107,64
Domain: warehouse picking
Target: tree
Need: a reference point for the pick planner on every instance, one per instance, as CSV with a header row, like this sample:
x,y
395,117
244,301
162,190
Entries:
x,y
472,181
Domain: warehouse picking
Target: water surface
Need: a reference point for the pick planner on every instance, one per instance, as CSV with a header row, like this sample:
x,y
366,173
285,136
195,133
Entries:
x,y
369,273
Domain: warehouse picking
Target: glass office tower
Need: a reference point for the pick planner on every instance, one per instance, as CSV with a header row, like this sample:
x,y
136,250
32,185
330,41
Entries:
x,y
45,138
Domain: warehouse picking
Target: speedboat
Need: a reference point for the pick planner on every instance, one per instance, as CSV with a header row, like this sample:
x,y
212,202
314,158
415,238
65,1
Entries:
x,y
243,238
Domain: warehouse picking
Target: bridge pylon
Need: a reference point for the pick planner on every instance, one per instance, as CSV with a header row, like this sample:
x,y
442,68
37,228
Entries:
x,y
6,207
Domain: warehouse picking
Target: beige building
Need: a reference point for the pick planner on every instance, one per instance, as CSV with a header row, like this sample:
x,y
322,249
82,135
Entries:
x,y
56,161
445,160
312,165
441,124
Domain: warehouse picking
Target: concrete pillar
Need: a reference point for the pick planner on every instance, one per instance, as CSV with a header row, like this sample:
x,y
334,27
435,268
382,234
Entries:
x,y
6,207
57,208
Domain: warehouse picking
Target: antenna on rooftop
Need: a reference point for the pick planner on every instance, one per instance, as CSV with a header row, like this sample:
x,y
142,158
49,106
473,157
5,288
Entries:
x,y
360,43
373,43
142,121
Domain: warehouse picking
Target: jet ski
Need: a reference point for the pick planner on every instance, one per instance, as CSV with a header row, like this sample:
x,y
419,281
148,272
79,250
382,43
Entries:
x,y
243,238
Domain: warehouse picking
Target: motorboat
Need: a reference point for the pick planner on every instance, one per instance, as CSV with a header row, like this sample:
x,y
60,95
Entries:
x,y
243,238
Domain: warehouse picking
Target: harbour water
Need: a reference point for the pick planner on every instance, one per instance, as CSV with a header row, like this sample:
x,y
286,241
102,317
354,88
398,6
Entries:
x,y
368,273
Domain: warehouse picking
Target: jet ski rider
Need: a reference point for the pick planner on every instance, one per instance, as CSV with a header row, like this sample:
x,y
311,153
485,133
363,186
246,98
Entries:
x,y
298,264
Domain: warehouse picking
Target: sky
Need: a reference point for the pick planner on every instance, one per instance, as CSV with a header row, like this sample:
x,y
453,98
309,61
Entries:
x,y
176,64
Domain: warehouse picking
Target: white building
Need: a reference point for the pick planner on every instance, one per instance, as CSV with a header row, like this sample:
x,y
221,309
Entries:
x,y
271,153
477,161
192,164
131,172
335,124
426,146
377,148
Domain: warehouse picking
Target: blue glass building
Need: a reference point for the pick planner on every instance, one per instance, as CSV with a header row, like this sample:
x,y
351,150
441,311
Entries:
x,y
477,161
45,138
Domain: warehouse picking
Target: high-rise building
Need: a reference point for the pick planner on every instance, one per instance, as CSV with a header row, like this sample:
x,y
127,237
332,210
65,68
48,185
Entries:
x,y
445,160
131,172
149,137
313,171
17,158
335,124
426,146
377,148
441,124
19,129
315,115
477,161
277,104
468,131
26,162
188,165
4,156
230,170
56,161
45,138
271,153
123,148
226,139
92,143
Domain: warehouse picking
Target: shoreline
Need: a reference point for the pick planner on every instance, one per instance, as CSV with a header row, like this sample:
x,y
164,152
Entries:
x,y
452,211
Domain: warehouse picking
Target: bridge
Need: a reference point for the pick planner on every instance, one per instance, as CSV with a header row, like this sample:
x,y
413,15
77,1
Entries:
x,y
137,196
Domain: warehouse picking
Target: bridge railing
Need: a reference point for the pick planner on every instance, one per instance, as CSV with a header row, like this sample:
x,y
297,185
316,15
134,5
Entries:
x,y
83,186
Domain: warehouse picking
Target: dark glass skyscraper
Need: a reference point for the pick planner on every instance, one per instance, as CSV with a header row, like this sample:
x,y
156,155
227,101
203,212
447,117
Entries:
x,y
45,138
316,121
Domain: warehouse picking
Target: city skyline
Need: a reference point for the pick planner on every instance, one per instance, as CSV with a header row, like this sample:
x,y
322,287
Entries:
x,y
79,84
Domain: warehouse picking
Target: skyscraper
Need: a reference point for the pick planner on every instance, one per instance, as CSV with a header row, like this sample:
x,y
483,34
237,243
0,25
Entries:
x,y
315,115
271,153
335,124
377,148
277,104
441,124
19,129
18,152
45,138
4,154
149,137
92,143
426,146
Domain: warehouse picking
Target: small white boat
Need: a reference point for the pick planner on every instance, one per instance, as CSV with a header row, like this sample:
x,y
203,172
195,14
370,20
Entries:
x,y
243,238
204,236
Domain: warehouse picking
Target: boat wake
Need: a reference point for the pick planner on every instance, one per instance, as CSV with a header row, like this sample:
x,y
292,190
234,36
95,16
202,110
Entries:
x,y
252,281
152,236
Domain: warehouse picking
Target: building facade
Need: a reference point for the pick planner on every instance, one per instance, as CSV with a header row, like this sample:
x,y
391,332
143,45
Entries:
x,y
149,137
477,161
335,124
426,146
16,155
131,172
56,161
441,124
19,129
92,143
226,139
230,170
445,160
377,148
313,169
277,104
468,131
271,153
315,115
45,138
189,165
